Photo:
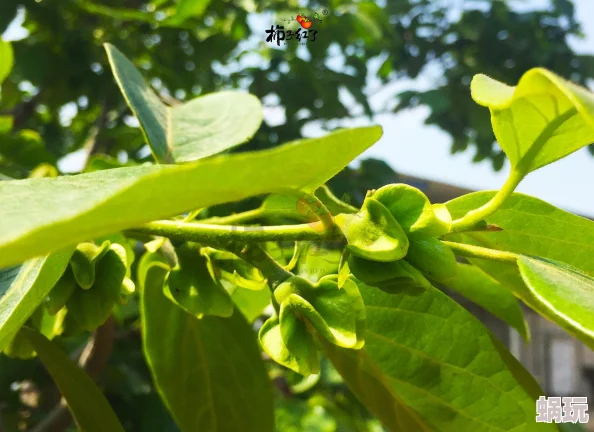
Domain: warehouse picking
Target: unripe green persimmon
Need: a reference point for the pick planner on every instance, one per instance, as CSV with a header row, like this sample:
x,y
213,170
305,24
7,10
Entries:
x,y
413,211
373,233
83,262
433,259
91,307
292,345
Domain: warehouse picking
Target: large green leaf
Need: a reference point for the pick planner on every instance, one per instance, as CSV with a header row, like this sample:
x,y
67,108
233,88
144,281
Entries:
x,y
6,60
65,210
564,292
90,409
430,364
480,288
199,128
208,371
533,227
508,275
24,287
369,384
541,120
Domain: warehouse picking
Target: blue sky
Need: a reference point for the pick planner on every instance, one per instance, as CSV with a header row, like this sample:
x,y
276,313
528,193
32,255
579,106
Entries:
x,y
410,147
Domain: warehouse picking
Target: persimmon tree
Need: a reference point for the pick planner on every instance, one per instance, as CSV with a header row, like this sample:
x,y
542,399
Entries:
x,y
221,312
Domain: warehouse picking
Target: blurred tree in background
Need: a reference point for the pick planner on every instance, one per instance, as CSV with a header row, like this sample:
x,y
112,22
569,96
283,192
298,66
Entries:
x,y
61,97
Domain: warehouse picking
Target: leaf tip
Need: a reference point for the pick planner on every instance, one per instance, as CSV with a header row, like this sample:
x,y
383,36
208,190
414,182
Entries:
x,y
489,92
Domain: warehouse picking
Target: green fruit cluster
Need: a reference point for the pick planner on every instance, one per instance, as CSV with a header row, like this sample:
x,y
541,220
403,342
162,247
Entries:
x,y
333,312
94,282
393,242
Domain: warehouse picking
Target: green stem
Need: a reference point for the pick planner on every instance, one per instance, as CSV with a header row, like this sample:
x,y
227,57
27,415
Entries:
x,y
236,218
255,255
473,217
274,273
224,234
318,208
470,251
296,254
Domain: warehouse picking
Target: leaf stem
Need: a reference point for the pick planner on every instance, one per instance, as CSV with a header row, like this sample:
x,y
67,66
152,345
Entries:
x,y
317,207
236,218
473,217
223,234
274,273
255,255
471,251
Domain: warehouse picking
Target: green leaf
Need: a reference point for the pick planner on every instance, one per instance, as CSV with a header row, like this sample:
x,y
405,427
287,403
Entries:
x,y
6,60
429,365
208,371
564,292
193,287
61,292
318,262
433,259
124,14
187,9
23,288
6,123
199,128
543,119
48,325
251,302
480,288
366,381
65,210
388,276
533,227
26,147
508,275
289,343
90,409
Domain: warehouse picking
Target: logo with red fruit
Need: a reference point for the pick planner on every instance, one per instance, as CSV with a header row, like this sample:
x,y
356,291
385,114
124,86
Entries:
x,y
304,21
306,30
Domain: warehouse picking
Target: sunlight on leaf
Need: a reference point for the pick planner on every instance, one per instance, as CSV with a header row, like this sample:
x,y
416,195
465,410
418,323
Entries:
x,y
428,364
476,285
564,292
543,119
6,60
202,127
65,210
23,288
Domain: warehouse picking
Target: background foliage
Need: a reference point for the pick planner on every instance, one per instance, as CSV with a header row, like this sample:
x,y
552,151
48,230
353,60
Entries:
x,y
60,97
